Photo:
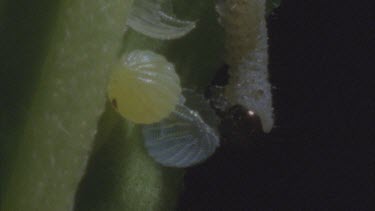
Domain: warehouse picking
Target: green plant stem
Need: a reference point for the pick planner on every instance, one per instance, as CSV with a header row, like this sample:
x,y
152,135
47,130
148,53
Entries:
x,y
61,121
121,175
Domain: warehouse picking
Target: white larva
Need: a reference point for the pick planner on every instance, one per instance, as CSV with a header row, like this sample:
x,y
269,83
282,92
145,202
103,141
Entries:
x,y
183,139
148,18
144,87
246,54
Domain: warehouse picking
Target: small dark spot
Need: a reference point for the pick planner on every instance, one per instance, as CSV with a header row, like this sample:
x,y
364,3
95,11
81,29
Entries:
x,y
214,92
221,77
258,94
114,103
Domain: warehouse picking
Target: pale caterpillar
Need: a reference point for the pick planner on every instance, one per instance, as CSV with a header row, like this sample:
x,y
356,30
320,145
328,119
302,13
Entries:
x,y
246,54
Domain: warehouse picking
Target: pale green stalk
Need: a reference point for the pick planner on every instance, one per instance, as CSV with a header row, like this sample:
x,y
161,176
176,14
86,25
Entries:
x,y
62,119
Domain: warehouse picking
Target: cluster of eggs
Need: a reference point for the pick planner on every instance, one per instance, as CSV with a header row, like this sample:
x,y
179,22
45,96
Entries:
x,y
145,88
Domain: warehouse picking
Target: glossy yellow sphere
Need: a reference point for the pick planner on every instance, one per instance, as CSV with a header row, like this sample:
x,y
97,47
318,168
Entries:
x,y
144,87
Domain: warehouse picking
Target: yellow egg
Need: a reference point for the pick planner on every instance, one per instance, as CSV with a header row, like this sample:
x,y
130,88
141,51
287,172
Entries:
x,y
144,87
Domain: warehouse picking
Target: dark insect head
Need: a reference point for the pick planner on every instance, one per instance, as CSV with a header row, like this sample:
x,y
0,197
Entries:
x,y
240,126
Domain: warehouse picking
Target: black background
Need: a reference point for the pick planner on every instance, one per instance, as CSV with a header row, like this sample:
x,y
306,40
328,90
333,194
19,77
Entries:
x,y
321,154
